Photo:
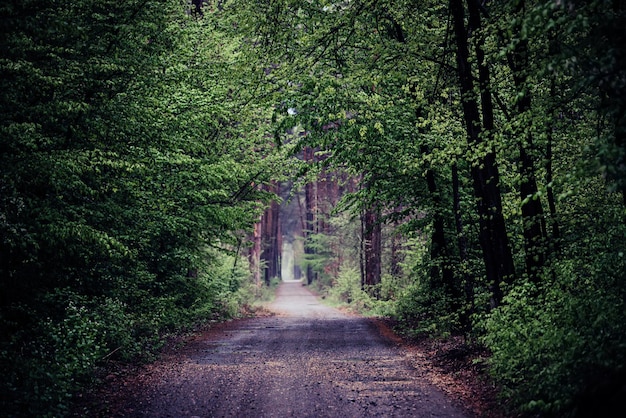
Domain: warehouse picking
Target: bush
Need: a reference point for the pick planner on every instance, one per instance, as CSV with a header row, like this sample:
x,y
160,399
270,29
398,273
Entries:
x,y
550,342
53,350
347,286
347,289
424,311
43,365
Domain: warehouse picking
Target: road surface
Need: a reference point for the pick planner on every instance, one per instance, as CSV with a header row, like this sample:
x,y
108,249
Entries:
x,y
309,360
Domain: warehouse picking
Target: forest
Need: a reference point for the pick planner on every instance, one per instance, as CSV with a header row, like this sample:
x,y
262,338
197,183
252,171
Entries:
x,y
458,166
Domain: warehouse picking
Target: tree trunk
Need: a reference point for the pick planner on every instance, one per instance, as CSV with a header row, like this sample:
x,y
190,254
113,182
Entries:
x,y
533,221
371,238
493,238
271,238
441,273
468,282
310,197
255,253
327,198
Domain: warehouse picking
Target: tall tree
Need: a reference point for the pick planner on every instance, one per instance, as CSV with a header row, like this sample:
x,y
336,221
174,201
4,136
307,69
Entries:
x,y
534,227
479,122
310,201
271,236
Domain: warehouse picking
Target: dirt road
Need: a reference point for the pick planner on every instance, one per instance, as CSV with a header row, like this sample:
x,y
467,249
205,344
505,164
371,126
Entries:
x,y
307,361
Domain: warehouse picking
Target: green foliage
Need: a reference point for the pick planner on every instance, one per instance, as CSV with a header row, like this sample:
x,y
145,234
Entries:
x,y
133,139
126,185
555,341
229,287
346,289
423,307
81,332
549,343
421,311
321,256
50,367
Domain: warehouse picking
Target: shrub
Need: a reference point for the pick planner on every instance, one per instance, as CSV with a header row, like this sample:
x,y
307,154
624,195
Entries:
x,y
424,311
347,289
43,365
550,342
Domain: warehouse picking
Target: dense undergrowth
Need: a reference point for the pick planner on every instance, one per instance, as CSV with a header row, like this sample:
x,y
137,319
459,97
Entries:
x,y
81,334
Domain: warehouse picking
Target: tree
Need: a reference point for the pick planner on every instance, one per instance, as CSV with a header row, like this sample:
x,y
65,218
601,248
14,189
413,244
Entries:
x,y
310,201
371,249
480,126
271,236
534,227
126,184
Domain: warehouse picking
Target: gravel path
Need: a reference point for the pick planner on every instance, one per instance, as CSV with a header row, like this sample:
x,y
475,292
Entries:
x,y
309,360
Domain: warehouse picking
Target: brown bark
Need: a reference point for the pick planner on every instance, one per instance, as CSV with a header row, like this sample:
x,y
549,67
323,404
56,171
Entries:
x,y
372,244
327,197
255,253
